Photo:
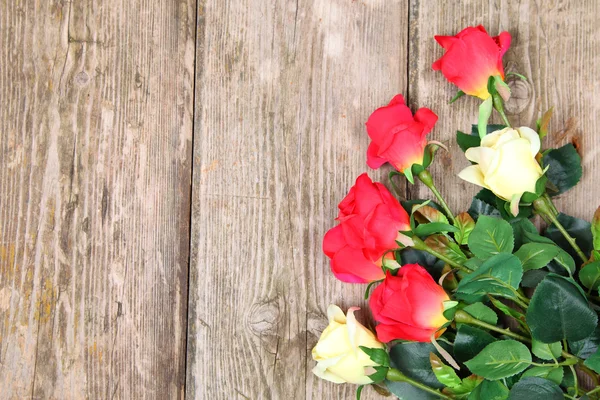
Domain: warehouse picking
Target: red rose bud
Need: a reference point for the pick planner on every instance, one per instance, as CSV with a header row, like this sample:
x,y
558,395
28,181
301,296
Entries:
x,y
398,137
408,306
370,218
472,56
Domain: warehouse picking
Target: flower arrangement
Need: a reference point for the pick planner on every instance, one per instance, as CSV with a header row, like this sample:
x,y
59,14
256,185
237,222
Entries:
x,y
477,305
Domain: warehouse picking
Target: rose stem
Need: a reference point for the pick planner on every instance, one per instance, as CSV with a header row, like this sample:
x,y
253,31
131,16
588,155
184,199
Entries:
x,y
425,177
542,206
397,376
464,318
419,244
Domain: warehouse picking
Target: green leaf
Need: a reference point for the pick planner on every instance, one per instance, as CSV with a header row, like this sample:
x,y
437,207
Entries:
x,y
470,341
491,236
536,255
534,388
485,111
558,310
483,203
424,259
590,276
433,227
554,374
596,230
412,359
482,313
507,310
377,355
520,226
593,362
406,391
489,390
496,276
465,141
542,123
444,373
427,213
458,95
500,359
359,391
379,375
546,351
586,347
562,262
465,225
443,245
564,170
466,386
533,278
577,228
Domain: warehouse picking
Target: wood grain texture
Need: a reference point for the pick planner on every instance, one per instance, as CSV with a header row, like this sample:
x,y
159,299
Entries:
x,y
283,91
95,164
554,44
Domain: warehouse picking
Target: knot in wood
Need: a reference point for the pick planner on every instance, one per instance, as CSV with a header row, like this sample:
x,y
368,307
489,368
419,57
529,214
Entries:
x,y
520,95
263,318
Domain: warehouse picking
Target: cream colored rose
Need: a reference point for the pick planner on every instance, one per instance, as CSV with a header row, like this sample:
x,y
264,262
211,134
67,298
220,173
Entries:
x,y
339,358
506,163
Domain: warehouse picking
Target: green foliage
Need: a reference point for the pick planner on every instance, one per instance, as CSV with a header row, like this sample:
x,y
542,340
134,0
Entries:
x,y
535,388
554,374
412,359
491,236
378,356
564,170
500,275
490,390
536,255
577,228
443,245
586,347
546,351
482,312
465,225
444,373
590,276
558,310
470,341
465,141
500,359
595,227
593,362
483,203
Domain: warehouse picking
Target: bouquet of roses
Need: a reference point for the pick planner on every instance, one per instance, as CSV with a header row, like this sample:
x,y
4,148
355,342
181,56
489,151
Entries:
x,y
475,305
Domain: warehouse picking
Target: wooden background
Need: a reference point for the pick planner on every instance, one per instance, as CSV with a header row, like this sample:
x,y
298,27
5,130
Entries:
x,y
168,170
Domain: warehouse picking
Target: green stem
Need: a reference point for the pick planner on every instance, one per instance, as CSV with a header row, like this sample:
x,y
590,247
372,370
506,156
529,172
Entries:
x,y
421,245
542,206
427,179
576,383
594,391
504,118
550,204
397,376
465,318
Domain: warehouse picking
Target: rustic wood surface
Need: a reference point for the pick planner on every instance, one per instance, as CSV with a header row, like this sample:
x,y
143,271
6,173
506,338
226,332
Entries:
x,y
106,206
96,117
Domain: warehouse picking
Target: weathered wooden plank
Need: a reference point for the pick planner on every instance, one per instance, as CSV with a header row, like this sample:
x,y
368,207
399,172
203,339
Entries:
x,y
554,44
95,145
283,91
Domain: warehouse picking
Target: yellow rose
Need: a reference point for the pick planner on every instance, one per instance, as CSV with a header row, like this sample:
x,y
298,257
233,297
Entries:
x,y
506,164
339,358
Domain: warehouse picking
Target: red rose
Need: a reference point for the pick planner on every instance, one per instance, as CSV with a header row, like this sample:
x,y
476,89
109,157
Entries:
x,y
398,137
370,218
472,56
408,306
